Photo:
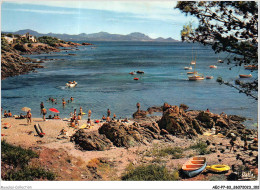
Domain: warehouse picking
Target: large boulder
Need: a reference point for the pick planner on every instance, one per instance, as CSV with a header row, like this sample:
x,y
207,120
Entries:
x,y
205,119
120,134
176,123
123,135
91,140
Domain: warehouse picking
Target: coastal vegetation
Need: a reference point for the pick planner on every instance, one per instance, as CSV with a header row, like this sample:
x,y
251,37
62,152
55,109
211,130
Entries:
x,y
16,159
226,26
52,41
151,172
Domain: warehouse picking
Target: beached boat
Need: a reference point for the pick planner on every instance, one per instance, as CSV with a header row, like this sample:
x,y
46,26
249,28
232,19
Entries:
x,y
245,76
71,84
188,68
194,166
213,66
209,77
218,168
251,67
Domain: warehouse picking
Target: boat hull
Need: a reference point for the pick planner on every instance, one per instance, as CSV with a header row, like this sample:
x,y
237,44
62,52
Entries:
x,y
198,168
245,76
71,85
196,78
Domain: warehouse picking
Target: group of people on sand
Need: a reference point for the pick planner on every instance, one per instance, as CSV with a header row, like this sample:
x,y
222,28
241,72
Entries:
x,y
7,114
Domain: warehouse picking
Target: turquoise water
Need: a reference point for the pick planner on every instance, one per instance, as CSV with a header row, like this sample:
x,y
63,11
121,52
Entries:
x,y
104,82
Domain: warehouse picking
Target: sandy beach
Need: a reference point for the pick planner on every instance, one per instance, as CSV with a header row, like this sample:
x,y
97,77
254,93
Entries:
x,y
55,149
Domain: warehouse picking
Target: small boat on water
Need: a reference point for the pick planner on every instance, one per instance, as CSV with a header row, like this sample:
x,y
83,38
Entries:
x,y
209,77
245,76
192,72
140,72
132,73
194,166
196,77
251,67
188,68
71,84
220,61
213,66
136,78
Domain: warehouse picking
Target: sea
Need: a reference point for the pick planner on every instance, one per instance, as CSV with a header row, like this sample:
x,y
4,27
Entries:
x,y
104,82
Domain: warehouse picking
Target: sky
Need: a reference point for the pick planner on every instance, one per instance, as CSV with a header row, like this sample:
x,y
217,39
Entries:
x,y
153,18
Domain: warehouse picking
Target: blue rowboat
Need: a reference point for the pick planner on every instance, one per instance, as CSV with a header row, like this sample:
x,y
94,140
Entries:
x,y
194,166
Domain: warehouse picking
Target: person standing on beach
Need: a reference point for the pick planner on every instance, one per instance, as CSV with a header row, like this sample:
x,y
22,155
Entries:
x,y
44,112
80,111
138,106
42,106
89,113
29,117
108,113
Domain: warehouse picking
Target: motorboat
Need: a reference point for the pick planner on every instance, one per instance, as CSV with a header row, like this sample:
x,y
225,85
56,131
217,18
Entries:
x,y
71,84
196,77
213,66
140,72
209,77
192,72
194,166
188,68
245,76
251,67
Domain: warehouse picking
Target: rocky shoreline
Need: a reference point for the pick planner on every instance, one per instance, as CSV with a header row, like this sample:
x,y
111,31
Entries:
x,y
13,63
105,150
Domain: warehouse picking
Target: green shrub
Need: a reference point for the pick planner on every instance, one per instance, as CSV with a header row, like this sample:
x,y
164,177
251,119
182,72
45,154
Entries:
x,y
29,174
20,47
201,147
4,44
176,152
16,156
49,40
150,173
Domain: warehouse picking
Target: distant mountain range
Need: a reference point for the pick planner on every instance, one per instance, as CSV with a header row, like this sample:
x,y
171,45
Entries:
x,y
100,36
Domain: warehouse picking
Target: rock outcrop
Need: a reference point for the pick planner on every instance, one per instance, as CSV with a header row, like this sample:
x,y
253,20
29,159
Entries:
x,y
91,140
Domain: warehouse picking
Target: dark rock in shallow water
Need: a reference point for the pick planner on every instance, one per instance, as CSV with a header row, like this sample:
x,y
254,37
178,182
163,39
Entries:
x,y
140,114
155,109
91,140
